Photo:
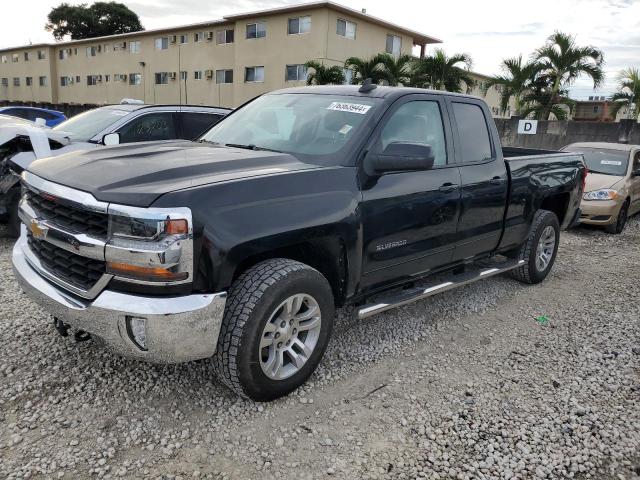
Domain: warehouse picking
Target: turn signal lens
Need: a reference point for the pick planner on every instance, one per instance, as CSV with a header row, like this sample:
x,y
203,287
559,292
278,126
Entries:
x,y
176,227
149,274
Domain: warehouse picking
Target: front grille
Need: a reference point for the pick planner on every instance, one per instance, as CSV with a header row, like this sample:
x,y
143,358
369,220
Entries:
x,y
81,272
72,219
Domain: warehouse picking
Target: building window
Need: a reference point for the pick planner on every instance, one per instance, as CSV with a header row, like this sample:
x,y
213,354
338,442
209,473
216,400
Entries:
x,y
92,80
162,78
77,78
162,43
183,39
119,46
4,59
27,56
92,51
254,74
106,48
5,82
199,36
197,75
183,75
29,81
224,76
42,81
107,78
42,54
16,81
64,53
134,47
65,81
299,25
296,73
257,30
135,79
14,58
347,29
224,36
595,109
394,45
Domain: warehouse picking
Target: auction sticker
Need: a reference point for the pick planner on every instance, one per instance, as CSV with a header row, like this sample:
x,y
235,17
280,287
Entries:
x,y
349,107
611,162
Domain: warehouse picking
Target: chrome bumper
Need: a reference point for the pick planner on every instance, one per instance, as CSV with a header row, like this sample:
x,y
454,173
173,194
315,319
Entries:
x,y
178,329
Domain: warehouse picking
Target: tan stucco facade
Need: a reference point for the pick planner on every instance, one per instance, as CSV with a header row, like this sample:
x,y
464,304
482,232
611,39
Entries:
x,y
115,57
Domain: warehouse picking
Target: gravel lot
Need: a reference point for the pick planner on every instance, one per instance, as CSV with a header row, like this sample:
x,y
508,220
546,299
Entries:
x,y
464,385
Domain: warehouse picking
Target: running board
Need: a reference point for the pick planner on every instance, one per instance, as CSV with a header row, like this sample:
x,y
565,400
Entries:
x,y
396,299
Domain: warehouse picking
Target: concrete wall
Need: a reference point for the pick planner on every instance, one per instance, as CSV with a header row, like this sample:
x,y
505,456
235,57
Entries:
x,y
553,135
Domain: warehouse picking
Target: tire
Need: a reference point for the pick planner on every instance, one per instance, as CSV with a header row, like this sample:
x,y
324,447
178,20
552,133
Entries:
x,y
13,221
259,296
621,221
531,272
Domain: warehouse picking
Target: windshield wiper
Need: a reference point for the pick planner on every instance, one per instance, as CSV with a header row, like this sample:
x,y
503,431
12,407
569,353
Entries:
x,y
603,173
250,147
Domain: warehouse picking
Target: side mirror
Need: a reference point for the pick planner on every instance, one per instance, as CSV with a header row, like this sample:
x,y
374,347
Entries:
x,y
111,139
401,157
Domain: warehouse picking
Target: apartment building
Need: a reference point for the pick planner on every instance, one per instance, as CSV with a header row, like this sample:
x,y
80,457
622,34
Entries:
x,y
492,96
224,62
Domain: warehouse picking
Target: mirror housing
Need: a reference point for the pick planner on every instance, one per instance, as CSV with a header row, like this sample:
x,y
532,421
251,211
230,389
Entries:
x,y
401,157
111,139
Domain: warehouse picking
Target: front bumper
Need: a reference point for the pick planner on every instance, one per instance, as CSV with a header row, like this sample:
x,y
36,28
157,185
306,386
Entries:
x,y
178,329
599,212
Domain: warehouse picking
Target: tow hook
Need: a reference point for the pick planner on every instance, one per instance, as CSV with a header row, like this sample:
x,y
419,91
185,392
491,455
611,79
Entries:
x,y
82,336
61,327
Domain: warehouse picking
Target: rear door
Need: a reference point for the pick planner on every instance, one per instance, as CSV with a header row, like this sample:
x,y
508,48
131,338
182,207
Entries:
x,y
410,218
484,178
149,127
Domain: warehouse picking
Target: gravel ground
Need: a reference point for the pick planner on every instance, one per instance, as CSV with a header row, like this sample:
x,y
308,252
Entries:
x,y
464,385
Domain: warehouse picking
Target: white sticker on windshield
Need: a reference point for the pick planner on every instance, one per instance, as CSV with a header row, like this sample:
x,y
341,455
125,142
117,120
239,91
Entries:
x,y
345,129
610,162
349,107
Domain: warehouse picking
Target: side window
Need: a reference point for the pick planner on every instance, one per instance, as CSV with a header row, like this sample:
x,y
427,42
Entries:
x,y
195,124
474,136
147,128
417,122
636,161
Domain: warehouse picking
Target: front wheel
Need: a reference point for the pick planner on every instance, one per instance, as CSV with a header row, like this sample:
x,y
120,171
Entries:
x,y
276,327
621,221
540,249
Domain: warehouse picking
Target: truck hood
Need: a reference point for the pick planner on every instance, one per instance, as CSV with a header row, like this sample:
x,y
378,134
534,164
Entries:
x,y
599,181
137,174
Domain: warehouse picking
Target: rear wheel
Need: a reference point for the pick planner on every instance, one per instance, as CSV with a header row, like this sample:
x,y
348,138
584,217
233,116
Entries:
x,y
540,249
276,327
621,221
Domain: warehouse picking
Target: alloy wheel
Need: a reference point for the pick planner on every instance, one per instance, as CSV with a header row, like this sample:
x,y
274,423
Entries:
x,y
545,249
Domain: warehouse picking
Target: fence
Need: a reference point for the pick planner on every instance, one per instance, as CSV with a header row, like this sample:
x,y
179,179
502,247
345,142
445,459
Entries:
x,y
553,135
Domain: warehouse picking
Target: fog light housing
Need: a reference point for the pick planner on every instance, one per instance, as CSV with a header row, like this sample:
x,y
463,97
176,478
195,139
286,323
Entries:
x,y
137,330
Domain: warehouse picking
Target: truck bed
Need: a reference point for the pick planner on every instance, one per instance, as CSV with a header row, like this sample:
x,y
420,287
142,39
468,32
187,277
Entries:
x,y
510,152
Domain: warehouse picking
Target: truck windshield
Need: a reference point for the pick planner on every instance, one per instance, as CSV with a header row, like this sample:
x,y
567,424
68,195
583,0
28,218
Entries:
x,y
605,161
316,128
84,126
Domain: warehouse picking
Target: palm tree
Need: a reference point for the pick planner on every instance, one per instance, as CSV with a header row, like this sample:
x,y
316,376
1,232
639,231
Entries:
x,y
516,82
535,101
323,75
563,62
441,72
372,68
628,94
397,70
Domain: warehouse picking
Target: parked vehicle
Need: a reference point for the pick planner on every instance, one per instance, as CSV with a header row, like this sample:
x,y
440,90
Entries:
x,y
51,118
302,200
124,123
612,192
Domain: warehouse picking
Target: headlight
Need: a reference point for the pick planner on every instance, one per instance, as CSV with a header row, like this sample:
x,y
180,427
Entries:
x,y
604,194
150,245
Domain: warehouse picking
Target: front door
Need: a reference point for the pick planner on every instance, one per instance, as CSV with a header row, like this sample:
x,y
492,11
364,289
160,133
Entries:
x,y
410,218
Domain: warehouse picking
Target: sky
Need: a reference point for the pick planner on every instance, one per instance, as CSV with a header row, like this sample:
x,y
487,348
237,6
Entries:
x,y
488,30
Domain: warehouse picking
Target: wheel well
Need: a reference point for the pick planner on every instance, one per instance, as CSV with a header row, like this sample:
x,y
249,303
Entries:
x,y
557,204
330,260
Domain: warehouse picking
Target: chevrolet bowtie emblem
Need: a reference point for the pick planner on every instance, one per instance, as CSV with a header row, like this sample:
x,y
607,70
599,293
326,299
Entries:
x,y
38,230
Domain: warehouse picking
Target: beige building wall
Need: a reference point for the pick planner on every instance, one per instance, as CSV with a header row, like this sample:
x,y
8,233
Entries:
x,y
492,96
14,65
273,52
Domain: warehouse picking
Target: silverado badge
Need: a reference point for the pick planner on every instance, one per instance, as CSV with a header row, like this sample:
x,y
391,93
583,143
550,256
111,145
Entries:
x,y
38,230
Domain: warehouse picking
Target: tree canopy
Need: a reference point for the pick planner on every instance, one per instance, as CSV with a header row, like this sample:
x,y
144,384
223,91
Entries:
x,y
98,20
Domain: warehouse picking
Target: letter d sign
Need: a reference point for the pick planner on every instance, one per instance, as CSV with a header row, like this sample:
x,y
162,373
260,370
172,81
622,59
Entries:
x,y
527,127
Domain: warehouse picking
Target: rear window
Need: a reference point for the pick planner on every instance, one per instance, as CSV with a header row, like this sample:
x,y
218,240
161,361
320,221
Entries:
x,y
474,136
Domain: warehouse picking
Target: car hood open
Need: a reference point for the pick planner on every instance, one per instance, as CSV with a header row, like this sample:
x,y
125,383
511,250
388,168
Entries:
x,y
137,174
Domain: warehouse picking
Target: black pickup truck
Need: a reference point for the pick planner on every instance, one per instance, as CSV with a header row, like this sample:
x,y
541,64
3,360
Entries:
x,y
239,247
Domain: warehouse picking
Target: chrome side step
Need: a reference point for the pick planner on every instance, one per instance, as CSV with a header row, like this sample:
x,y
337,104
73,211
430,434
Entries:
x,y
396,299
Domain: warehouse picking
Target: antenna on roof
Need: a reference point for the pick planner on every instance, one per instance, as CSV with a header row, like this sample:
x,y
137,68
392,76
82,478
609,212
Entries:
x,y
367,86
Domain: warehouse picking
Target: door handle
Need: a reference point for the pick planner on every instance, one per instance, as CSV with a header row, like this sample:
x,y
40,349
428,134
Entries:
x,y
496,181
448,187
